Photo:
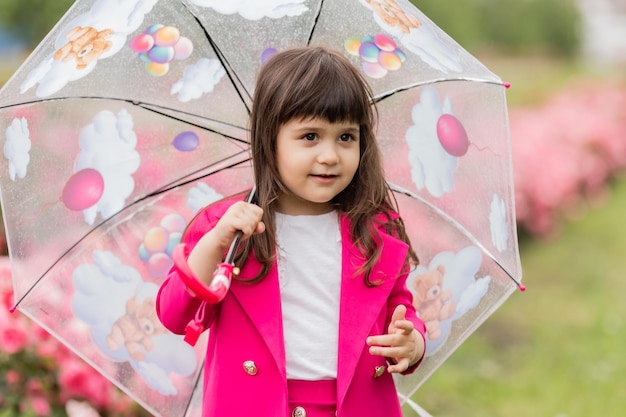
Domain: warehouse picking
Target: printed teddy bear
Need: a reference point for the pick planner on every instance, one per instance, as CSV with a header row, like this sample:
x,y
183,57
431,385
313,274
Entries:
x,y
393,15
135,329
432,301
85,45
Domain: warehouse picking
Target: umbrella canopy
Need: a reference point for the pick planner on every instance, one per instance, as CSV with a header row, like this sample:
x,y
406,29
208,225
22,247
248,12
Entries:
x,y
131,115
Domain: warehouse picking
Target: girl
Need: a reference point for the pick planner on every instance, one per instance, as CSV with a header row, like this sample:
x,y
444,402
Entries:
x,y
319,317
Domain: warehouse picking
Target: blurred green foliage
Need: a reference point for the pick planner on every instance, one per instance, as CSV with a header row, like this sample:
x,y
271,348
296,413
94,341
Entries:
x,y
510,27
32,19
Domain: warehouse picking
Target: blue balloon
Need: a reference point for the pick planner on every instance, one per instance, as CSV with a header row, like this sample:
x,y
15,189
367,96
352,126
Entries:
x,y
186,141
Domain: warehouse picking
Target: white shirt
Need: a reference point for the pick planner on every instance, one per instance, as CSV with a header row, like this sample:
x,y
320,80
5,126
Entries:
x,y
309,269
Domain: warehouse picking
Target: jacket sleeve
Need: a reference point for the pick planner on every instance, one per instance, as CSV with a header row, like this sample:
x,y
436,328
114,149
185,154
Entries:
x,y
175,305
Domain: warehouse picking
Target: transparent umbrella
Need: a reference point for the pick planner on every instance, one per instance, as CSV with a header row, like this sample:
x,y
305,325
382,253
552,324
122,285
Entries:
x,y
131,115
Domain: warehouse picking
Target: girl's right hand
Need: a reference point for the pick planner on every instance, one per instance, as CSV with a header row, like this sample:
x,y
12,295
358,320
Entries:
x,y
240,217
208,252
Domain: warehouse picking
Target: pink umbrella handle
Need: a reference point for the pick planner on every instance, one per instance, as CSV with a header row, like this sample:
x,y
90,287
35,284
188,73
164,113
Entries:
x,y
213,293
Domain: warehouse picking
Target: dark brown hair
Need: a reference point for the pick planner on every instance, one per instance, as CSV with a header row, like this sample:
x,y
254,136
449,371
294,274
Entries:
x,y
317,82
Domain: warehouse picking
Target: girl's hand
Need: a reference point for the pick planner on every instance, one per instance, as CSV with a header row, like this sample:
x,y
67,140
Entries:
x,y
240,217
402,344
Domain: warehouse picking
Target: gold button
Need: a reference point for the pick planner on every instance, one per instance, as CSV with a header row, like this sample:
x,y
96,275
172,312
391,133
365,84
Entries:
x,y
379,370
298,412
250,368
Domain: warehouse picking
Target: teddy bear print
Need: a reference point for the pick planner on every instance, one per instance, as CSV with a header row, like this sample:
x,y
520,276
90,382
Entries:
x,y
135,329
432,301
393,15
85,45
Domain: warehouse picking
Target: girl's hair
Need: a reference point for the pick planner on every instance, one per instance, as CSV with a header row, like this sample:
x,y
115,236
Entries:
x,y
317,82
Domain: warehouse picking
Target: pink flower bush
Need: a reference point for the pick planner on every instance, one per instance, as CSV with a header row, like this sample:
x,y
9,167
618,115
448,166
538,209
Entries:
x,y
566,151
39,376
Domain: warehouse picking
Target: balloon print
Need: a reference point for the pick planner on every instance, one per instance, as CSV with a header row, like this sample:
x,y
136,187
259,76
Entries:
x,y
379,54
158,45
452,135
186,141
83,189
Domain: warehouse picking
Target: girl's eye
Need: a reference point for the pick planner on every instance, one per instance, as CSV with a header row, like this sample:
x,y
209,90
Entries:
x,y
310,136
346,137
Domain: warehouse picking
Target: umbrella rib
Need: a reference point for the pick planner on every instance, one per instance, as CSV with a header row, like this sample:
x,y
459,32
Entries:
x,y
317,17
162,190
460,227
195,387
436,81
220,56
146,106
179,183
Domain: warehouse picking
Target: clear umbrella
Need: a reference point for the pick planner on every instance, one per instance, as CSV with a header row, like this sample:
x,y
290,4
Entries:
x,y
131,116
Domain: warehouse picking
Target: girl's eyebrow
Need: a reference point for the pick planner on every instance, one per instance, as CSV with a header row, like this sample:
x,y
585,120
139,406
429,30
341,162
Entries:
x,y
353,129
348,128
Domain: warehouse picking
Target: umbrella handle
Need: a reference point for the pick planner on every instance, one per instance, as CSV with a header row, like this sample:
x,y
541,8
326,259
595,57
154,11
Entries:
x,y
232,251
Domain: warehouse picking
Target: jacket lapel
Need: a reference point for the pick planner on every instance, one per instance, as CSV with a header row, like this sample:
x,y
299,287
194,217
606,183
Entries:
x,y
261,302
360,304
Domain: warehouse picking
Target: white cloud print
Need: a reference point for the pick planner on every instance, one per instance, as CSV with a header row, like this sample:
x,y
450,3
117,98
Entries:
x,y
198,79
17,148
108,146
450,280
498,223
431,165
256,9
416,35
201,196
97,34
112,299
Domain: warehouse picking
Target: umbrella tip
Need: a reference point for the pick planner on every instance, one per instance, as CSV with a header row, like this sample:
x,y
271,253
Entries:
x,y
521,287
13,308
506,85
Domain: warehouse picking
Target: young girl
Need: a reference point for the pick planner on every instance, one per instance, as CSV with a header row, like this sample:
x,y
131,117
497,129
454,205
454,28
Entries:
x,y
319,317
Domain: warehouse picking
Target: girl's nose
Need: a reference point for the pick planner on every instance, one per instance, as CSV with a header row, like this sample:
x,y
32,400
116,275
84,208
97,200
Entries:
x,y
328,153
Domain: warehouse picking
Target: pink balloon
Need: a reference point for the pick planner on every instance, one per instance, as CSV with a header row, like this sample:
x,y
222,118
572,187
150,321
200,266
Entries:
x,y
142,43
83,189
452,135
159,264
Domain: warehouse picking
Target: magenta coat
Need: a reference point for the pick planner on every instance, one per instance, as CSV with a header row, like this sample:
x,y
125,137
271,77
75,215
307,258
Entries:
x,y
247,326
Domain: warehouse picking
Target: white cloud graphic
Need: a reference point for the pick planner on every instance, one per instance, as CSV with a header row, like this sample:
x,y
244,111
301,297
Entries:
x,y
498,223
103,29
102,290
201,196
431,166
17,147
256,9
198,79
108,146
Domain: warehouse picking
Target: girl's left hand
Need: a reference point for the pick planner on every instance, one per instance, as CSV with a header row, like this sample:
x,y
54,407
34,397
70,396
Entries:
x,y
402,344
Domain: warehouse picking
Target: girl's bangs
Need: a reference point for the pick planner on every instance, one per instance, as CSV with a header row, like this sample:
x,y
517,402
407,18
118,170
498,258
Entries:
x,y
336,99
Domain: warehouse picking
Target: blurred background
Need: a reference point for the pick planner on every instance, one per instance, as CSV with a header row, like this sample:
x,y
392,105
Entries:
x,y
556,350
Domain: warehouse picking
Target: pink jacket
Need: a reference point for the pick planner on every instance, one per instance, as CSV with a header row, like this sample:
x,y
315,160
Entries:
x,y
247,326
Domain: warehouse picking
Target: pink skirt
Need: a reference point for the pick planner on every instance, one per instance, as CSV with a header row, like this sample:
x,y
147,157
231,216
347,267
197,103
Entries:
x,y
312,398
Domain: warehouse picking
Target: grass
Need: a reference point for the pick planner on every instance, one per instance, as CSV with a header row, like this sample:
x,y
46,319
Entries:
x,y
558,349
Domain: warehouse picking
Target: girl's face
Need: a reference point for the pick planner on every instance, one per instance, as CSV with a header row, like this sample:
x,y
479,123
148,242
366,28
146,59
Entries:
x,y
316,160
